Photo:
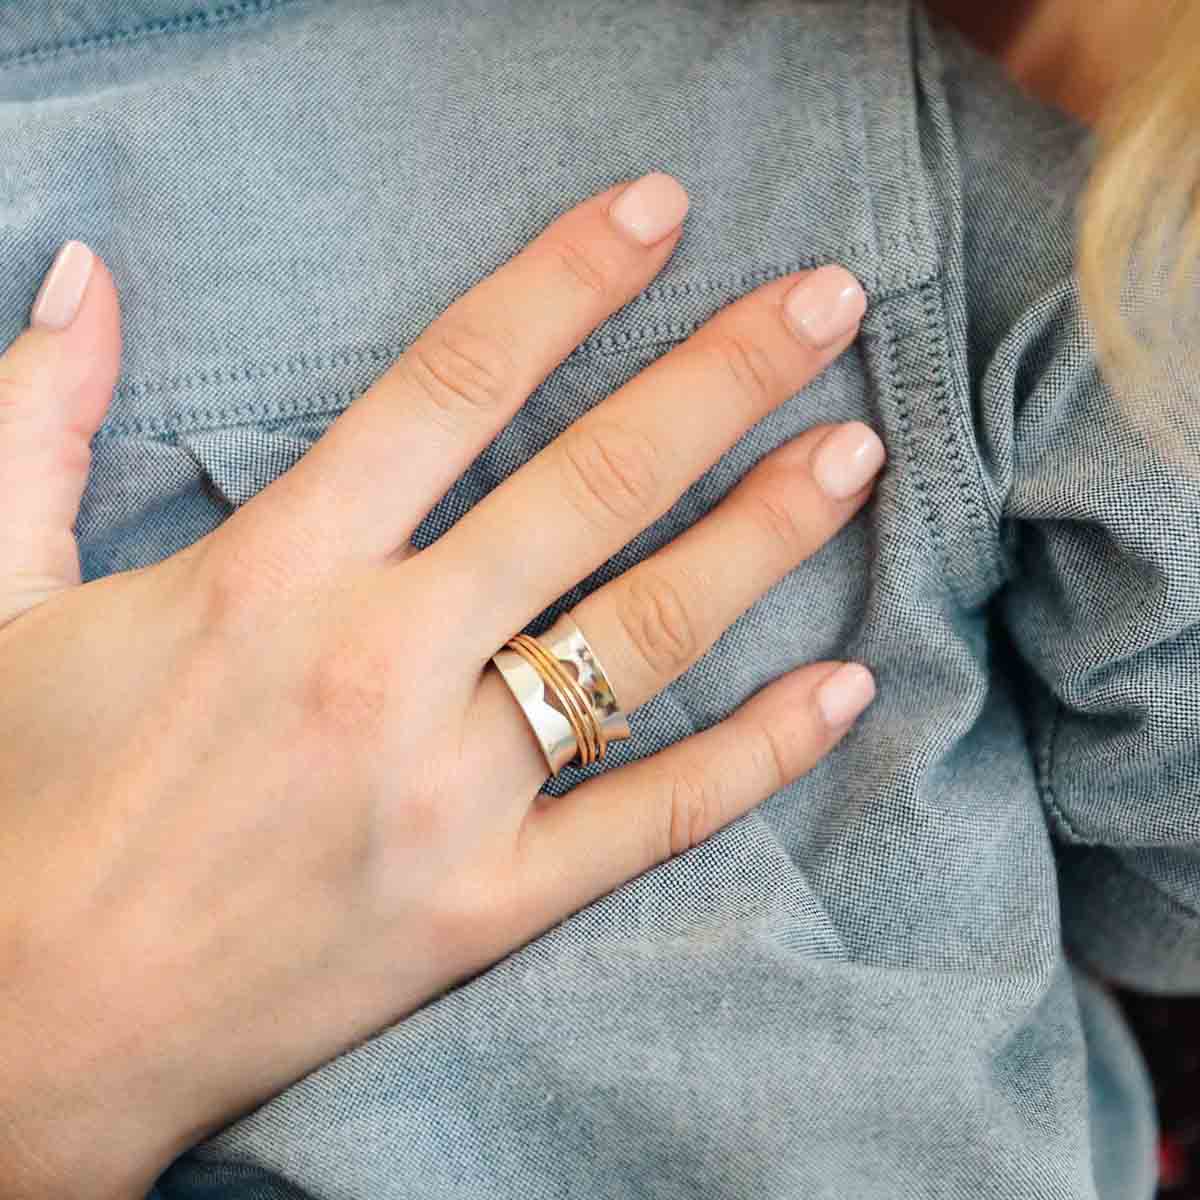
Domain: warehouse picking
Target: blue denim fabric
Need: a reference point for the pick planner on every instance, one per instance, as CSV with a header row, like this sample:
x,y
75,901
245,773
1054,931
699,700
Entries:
x,y
862,989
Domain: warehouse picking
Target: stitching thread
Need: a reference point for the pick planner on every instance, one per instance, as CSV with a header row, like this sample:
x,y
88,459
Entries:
x,y
977,524
597,344
194,419
1046,771
332,401
756,275
197,19
904,417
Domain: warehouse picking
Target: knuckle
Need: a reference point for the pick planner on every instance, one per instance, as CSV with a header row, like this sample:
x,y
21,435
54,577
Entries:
x,y
461,371
227,594
237,579
779,522
585,269
656,620
689,814
749,368
609,473
776,761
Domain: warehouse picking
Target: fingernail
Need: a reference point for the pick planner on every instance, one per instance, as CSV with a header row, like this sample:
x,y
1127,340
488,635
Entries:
x,y
847,460
825,306
648,209
845,694
61,293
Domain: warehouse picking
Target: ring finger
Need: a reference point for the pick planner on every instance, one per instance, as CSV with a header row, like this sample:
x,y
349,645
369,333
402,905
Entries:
x,y
651,624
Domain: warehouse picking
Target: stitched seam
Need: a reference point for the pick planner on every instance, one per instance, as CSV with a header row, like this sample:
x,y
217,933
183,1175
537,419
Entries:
x,y
919,482
597,344
185,22
1046,760
970,486
302,364
756,275
334,400
195,419
915,183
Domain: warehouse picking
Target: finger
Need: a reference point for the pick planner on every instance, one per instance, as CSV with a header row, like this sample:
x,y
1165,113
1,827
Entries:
x,y
623,464
365,486
651,624
573,849
56,382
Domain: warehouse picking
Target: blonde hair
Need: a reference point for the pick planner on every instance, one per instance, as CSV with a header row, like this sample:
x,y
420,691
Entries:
x,y
1130,68
1140,215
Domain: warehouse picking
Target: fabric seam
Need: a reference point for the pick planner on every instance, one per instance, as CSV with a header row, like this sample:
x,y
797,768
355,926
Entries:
x,y
919,481
1050,799
197,19
1067,828
918,232
913,181
335,399
903,281
970,488
606,343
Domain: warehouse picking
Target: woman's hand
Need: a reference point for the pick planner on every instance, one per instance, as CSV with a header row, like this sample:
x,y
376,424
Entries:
x,y
267,796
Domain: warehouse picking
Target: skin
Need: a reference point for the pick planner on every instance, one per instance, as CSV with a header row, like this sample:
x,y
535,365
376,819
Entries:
x,y
1072,53
294,715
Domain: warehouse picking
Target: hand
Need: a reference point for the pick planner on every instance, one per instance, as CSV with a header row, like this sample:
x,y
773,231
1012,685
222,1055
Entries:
x,y
263,798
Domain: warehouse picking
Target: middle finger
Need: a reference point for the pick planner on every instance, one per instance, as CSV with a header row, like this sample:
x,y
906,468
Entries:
x,y
392,454
622,465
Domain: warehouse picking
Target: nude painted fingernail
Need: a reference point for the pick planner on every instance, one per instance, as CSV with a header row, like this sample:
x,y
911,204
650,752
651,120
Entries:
x,y
825,306
648,209
845,694
847,460
61,293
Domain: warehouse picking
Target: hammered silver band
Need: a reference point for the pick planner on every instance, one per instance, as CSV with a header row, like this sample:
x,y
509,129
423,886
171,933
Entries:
x,y
564,639
565,694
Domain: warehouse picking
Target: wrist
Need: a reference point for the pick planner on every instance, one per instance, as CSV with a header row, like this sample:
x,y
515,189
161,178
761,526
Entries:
x,y
76,1118
57,1143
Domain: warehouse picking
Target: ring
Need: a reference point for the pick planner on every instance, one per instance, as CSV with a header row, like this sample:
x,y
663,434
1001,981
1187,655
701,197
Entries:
x,y
566,642
564,693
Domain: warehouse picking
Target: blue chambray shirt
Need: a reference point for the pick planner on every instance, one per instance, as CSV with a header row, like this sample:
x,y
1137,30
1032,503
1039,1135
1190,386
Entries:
x,y
862,989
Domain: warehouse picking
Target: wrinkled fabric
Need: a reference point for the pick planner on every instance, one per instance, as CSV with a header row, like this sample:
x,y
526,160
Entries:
x,y
874,985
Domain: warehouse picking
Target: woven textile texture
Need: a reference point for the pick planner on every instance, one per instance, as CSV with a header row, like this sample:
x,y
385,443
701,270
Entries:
x,y
877,985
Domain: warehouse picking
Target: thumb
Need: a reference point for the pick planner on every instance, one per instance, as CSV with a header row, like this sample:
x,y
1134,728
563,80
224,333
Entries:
x,y
56,381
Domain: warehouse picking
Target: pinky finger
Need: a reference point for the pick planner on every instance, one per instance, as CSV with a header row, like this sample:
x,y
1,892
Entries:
x,y
613,827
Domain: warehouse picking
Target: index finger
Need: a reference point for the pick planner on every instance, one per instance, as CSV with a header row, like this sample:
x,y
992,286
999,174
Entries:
x,y
367,483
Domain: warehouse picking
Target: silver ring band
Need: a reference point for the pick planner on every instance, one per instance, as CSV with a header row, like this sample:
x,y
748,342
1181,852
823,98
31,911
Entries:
x,y
551,728
564,639
560,709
